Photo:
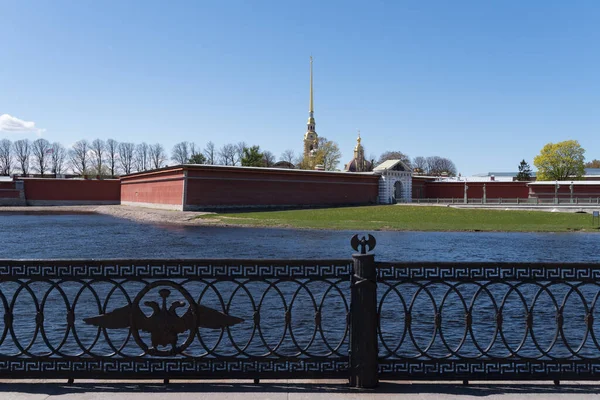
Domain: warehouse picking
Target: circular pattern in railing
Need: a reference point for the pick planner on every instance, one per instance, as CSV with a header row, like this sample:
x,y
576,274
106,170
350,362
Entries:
x,y
177,318
488,320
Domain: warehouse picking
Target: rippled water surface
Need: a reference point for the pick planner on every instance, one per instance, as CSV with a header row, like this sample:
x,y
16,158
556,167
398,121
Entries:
x,y
101,236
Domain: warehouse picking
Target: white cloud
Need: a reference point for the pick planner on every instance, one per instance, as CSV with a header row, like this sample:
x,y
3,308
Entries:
x,y
8,123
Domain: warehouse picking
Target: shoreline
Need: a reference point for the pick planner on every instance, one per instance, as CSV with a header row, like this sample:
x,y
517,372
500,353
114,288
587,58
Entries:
x,y
143,215
190,218
135,214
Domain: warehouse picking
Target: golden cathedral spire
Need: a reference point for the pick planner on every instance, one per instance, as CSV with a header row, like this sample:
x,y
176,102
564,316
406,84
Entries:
x,y
358,163
311,142
311,110
310,106
359,153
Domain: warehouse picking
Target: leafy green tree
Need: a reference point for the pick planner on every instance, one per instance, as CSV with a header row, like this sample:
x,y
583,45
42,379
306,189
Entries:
x,y
306,162
524,171
592,164
560,161
197,158
328,155
252,157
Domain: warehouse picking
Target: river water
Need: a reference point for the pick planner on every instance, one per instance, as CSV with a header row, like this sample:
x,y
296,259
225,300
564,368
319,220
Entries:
x,y
96,236
101,236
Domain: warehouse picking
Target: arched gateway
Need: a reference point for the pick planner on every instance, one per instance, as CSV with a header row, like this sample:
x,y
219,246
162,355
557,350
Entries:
x,y
395,182
397,190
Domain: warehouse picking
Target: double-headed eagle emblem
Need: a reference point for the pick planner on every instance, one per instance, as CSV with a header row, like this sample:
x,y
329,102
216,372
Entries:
x,y
164,325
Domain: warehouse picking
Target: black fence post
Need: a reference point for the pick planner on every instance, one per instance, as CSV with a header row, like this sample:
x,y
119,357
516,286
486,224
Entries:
x,y
363,316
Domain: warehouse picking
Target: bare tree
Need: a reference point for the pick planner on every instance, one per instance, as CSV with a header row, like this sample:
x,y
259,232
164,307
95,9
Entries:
x,y
299,162
288,156
447,166
98,148
157,155
79,157
112,151
41,149
6,157
433,165
420,164
268,158
210,153
372,157
439,165
193,150
141,158
22,149
181,153
227,154
126,152
57,159
239,152
395,155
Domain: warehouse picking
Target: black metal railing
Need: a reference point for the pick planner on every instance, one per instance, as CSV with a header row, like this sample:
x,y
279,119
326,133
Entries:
x,y
174,319
583,199
357,319
488,321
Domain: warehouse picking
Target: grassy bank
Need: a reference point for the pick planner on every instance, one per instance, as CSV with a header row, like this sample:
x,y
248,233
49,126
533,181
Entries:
x,y
414,219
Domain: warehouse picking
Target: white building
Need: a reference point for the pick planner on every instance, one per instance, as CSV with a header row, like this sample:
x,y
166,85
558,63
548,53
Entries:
x,y
395,182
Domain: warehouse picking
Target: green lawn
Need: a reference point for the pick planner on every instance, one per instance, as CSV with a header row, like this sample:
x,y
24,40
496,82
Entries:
x,y
416,218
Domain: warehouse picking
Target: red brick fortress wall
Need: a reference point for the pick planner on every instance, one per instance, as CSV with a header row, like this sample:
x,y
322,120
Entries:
x,y
222,187
41,191
8,190
581,190
213,187
419,186
494,190
11,195
160,188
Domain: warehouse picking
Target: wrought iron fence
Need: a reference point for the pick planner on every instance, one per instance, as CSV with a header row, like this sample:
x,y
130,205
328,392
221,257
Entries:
x,y
168,319
579,199
489,321
356,319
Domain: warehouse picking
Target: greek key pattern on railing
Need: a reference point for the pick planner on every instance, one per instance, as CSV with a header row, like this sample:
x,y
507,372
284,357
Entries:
x,y
117,269
181,368
486,321
488,370
189,318
488,271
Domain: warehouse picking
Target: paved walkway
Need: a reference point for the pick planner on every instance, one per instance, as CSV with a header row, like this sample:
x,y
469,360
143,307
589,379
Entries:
x,y
572,208
245,390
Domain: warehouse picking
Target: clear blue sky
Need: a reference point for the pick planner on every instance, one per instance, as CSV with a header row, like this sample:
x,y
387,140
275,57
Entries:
x,y
484,83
